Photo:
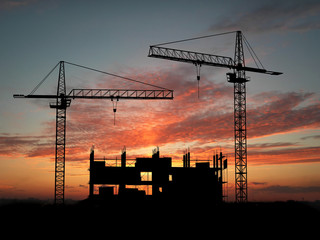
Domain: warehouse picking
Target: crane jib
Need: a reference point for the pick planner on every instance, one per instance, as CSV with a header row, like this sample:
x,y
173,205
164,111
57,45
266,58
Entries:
x,y
201,59
108,94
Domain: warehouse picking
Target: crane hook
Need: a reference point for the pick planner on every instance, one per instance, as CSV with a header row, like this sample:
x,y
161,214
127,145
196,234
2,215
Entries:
x,y
198,66
114,104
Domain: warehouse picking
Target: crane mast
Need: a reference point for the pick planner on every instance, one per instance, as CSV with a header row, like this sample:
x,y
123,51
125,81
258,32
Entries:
x,y
239,79
240,125
61,113
63,101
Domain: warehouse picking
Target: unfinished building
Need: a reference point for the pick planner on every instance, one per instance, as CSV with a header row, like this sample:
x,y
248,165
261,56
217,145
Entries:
x,y
156,178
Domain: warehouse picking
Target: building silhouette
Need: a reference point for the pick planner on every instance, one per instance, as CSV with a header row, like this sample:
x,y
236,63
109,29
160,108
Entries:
x,y
156,179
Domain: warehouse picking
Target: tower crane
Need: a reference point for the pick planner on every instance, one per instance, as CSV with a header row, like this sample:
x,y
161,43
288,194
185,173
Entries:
x,y
63,101
238,78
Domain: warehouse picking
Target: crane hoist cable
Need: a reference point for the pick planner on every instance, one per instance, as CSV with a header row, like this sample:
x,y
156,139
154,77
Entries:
x,y
252,53
42,81
114,104
198,66
195,38
118,76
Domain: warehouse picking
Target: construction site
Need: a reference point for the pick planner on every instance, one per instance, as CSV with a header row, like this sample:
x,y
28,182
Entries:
x,y
157,178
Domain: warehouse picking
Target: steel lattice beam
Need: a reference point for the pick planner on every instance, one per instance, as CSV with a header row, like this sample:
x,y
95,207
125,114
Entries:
x,y
108,94
240,124
202,59
240,132
120,93
61,109
190,57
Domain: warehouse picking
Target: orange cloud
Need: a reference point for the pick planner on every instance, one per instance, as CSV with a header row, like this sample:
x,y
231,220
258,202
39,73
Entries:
x,y
285,156
203,123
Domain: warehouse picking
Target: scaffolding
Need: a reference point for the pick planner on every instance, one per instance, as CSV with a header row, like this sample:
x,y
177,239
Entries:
x,y
155,178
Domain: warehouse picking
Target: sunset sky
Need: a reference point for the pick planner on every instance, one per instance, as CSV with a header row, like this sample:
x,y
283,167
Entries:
x,y
283,112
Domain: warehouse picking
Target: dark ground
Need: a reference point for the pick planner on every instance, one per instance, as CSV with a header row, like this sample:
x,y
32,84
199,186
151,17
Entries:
x,y
123,219
159,209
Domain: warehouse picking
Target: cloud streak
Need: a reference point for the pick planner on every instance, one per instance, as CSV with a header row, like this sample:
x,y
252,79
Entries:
x,y
287,155
10,4
290,189
283,114
273,16
28,146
